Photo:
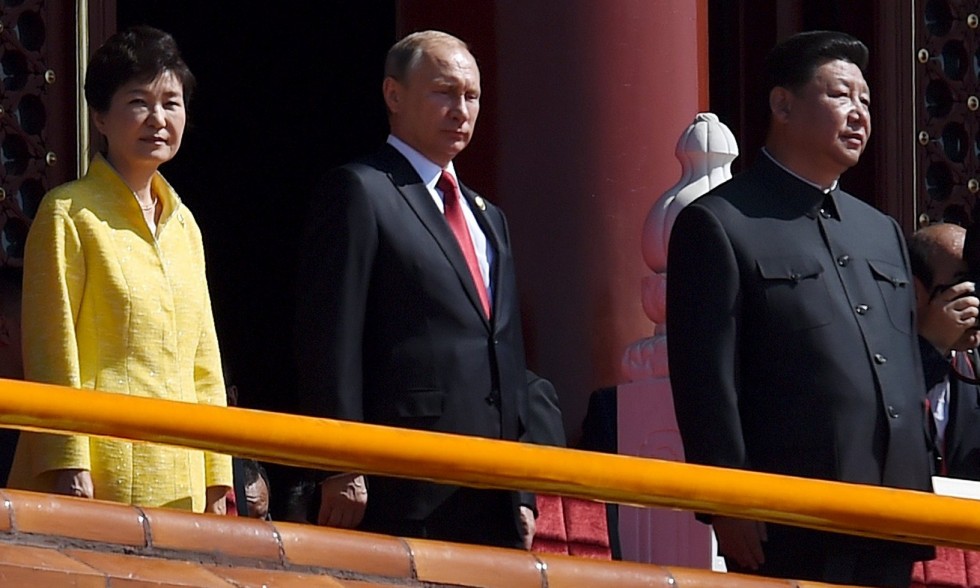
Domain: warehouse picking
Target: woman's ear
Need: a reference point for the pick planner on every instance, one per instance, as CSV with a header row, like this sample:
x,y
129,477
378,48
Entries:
x,y
98,118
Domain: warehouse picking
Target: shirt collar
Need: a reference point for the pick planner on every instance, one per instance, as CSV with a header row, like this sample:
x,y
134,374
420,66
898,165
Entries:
x,y
428,171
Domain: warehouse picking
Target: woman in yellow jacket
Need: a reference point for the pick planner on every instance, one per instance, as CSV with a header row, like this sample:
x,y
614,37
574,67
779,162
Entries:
x,y
115,294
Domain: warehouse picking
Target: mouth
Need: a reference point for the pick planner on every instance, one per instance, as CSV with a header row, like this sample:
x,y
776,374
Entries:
x,y
853,140
155,140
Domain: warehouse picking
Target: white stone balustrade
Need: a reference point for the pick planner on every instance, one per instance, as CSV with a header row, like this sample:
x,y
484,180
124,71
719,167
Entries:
x,y
645,408
706,151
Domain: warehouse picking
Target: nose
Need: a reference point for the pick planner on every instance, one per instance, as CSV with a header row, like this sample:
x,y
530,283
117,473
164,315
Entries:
x,y
457,108
860,115
156,118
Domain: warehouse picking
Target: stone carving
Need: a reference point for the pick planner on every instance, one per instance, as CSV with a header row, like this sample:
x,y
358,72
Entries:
x,y
706,151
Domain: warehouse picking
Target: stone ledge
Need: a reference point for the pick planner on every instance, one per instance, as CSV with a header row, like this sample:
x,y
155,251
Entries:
x,y
49,540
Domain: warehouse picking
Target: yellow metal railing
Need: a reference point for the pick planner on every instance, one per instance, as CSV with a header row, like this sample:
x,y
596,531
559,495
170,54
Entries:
x,y
328,444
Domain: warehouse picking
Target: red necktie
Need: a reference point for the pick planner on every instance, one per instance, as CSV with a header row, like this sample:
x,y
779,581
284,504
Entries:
x,y
454,216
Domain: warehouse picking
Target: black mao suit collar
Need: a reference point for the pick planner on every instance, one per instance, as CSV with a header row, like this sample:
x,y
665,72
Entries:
x,y
794,197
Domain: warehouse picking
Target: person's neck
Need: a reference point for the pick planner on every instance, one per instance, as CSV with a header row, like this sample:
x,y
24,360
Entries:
x,y
944,350
138,178
802,165
926,334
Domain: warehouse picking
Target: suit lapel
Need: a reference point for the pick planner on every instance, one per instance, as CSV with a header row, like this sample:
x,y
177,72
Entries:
x,y
492,232
410,186
963,400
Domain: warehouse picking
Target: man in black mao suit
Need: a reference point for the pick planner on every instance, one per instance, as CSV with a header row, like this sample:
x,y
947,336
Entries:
x,y
790,307
396,325
946,316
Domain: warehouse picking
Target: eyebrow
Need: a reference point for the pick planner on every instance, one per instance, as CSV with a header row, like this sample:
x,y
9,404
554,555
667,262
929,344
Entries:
x,y
450,80
142,91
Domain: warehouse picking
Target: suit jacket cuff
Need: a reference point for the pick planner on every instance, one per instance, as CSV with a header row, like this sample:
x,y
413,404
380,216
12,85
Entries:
x,y
529,500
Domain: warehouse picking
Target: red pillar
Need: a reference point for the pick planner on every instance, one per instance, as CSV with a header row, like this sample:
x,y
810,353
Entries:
x,y
583,105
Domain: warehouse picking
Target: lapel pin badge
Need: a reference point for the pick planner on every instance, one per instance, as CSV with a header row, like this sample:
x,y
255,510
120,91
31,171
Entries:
x,y
480,203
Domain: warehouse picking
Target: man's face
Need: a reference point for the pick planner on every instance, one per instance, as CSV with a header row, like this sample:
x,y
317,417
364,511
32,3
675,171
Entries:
x,y
829,117
257,499
946,309
435,109
950,270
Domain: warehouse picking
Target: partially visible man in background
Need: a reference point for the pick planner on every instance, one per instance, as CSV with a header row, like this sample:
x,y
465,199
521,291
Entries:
x,y
946,314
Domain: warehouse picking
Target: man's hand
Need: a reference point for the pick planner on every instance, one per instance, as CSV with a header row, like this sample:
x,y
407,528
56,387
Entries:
x,y
528,527
343,499
74,483
215,502
740,540
948,315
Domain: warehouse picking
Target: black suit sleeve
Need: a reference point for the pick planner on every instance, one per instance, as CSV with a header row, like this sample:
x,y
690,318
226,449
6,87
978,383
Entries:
x,y
337,253
703,306
545,425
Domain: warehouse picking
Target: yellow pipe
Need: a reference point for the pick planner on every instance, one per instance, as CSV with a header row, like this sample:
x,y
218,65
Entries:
x,y
328,444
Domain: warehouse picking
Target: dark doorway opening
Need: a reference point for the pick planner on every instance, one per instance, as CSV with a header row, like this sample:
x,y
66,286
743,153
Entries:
x,y
284,93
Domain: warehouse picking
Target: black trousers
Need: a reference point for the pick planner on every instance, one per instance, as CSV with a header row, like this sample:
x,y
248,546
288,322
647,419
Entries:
x,y
480,517
831,558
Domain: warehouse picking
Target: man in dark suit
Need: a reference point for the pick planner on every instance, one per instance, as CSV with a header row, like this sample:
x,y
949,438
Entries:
x,y
946,314
408,307
792,346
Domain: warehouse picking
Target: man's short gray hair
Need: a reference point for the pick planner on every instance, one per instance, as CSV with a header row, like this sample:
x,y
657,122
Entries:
x,y
406,53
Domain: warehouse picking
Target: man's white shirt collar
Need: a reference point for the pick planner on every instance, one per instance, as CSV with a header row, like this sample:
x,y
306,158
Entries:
x,y
430,173
424,167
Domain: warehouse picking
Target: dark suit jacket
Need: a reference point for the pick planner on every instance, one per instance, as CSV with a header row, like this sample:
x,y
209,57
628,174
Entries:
x,y
545,425
791,343
390,328
962,439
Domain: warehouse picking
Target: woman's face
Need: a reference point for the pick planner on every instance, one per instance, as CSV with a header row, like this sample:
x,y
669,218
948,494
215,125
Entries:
x,y
145,122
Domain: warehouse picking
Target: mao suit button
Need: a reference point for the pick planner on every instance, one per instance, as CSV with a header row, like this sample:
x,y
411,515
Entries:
x,y
880,359
843,260
862,309
493,399
892,413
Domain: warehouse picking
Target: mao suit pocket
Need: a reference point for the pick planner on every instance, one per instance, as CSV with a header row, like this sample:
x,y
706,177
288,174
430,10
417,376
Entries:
x,y
893,283
420,404
795,292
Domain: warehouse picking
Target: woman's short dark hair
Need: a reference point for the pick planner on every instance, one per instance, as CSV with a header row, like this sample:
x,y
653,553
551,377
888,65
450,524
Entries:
x,y
792,63
139,53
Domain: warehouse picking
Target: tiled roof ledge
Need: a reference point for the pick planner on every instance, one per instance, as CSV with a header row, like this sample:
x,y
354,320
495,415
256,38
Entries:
x,y
48,540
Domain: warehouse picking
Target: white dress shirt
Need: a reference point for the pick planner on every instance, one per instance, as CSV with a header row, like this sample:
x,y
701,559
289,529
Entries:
x,y
430,174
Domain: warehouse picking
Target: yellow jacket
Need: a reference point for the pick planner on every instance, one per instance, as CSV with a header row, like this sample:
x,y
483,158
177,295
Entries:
x,y
109,306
